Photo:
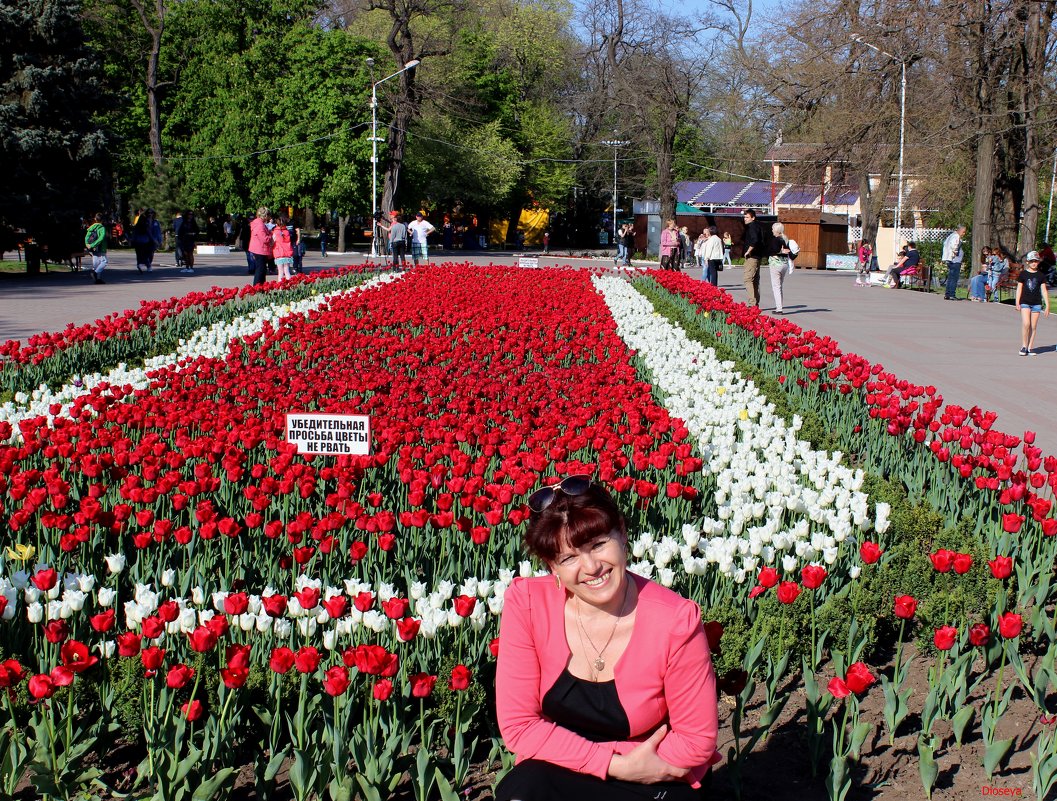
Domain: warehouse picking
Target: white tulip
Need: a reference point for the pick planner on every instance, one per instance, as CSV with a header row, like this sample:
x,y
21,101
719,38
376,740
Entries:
x,y
115,563
34,612
168,577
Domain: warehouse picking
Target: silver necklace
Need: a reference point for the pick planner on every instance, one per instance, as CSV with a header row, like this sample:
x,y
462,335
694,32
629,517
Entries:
x,y
599,662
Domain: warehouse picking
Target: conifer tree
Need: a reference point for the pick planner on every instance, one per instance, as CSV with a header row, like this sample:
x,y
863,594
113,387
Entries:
x,y
52,154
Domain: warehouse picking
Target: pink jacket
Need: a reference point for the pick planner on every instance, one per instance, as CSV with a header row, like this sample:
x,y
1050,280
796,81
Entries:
x,y
665,675
260,237
669,241
282,248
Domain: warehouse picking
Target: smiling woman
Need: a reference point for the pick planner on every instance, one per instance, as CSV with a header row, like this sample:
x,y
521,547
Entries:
x,y
605,687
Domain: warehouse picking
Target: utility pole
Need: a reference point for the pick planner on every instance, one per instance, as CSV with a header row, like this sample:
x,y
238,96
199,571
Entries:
x,y
615,143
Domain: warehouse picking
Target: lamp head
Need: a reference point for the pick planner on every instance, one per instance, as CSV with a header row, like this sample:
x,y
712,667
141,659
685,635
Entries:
x,y
412,64
370,61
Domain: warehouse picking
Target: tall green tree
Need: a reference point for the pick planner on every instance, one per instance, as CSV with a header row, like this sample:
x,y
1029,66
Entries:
x,y
52,152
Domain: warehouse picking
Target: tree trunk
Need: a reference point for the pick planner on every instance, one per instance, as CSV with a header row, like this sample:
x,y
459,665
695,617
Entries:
x,y
665,156
153,103
396,140
343,221
310,219
984,192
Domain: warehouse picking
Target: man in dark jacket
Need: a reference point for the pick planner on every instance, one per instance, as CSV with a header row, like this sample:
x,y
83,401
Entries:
x,y
754,247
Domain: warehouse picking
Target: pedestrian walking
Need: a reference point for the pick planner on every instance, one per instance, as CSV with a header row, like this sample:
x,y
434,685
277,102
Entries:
x,y
728,245
1031,298
146,239
186,238
177,223
260,244
780,263
95,243
546,241
629,243
669,246
753,244
952,257
323,240
620,257
862,266
713,252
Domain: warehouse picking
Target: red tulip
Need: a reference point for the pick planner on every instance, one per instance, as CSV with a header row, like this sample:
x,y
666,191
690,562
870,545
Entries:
x,y
192,710
306,660
282,659
905,606
128,644
152,659
382,689
980,634
41,687
178,676
812,576
422,684
460,678
75,656
962,563
768,577
238,656
1010,625
45,578
336,680
942,560
274,605
234,678
395,608
202,639
870,552
363,601
1011,523
859,678
837,688
407,629
493,646
1001,567
944,637
236,603
464,605
788,591
102,622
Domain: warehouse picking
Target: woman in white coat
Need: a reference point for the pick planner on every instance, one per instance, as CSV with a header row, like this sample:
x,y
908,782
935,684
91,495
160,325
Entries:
x,y
785,251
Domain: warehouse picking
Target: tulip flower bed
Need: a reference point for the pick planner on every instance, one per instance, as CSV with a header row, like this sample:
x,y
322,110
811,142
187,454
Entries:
x,y
49,358
178,579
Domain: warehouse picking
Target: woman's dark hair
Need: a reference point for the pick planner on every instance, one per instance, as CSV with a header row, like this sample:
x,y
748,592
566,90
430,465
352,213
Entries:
x,y
576,519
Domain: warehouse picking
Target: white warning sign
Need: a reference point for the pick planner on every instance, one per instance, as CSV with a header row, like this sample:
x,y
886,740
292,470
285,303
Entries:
x,y
531,262
329,434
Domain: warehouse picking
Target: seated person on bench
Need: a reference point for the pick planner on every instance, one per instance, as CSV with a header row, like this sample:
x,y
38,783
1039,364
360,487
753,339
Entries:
x,y
906,265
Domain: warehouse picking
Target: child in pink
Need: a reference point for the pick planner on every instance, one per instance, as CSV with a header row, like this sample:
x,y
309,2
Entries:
x,y
283,249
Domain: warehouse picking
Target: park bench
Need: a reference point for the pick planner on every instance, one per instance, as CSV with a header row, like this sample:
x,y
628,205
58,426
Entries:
x,y
918,277
1007,287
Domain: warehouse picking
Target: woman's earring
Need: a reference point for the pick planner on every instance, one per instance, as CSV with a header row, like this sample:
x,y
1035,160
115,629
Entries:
x,y
557,582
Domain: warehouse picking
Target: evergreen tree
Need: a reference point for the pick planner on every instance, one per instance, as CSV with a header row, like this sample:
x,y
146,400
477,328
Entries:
x,y
52,154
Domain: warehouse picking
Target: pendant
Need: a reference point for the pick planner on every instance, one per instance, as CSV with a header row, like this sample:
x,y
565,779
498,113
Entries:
x,y
600,664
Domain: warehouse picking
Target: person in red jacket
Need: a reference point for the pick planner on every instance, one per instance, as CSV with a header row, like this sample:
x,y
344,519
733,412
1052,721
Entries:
x,y
604,683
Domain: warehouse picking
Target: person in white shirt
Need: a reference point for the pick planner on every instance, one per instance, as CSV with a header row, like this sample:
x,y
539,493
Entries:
x,y
712,251
952,257
785,250
420,229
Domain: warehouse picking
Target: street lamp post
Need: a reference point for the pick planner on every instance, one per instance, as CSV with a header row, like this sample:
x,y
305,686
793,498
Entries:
x,y
615,143
902,128
374,146
1049,207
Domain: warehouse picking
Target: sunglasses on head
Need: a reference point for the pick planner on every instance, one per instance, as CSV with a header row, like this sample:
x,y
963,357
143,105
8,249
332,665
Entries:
x,y
571,486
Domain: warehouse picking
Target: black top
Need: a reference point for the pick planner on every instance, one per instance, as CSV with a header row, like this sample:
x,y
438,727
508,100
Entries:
x,y
588,708
754,238
913,259
1031,294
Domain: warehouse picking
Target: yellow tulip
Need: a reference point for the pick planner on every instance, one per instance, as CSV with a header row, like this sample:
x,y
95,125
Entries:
x,y
21,553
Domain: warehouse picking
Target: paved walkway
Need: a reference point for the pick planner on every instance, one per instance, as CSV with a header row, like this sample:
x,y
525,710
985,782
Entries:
x,y
967,350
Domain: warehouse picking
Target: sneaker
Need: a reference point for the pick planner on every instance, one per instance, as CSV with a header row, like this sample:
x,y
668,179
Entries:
x,y
187,271
1033,353
1023,351
139,267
